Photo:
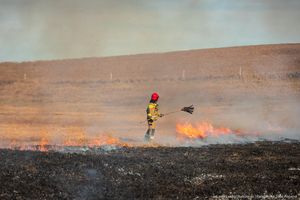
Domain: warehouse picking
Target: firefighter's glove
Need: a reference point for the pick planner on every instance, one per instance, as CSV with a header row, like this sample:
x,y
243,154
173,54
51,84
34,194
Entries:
x,y
153,118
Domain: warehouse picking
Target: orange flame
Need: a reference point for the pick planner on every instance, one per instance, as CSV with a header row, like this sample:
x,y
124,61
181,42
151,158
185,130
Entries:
x,y
77,137
201,130
101,140
44,141
105,140
26,138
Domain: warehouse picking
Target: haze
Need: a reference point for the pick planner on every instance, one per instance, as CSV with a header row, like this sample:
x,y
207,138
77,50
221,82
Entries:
x,y
59,29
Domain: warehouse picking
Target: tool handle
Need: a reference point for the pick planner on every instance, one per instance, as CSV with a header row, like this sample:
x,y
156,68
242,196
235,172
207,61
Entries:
x,y
169,113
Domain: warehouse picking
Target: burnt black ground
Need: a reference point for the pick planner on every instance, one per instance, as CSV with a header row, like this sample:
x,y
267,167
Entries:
x,y
259,169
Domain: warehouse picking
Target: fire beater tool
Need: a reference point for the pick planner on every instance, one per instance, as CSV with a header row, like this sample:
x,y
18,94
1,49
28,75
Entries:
x,y
188,109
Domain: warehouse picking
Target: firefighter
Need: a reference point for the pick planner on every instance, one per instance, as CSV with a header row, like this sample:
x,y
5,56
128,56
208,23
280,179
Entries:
x,y
152,116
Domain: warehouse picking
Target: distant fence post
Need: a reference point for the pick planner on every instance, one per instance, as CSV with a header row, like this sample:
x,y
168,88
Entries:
x,y
240,73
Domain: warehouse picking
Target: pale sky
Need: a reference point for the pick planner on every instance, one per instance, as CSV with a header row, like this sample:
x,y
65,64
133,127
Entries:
x,y
57,29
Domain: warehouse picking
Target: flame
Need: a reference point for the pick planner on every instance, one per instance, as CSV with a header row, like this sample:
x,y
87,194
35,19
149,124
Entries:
x,y
77,137
43,143
101,140
105,140
202,130
12,144
31,138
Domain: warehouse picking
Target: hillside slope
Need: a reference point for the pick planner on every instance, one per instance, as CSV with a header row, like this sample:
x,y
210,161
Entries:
x,y
252,88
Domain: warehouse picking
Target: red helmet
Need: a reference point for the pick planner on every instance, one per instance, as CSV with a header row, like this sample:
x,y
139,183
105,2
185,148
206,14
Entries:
x,y
154,96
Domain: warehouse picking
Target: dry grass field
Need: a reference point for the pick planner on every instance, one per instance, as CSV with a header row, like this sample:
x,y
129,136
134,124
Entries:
x,y
251,89
82,118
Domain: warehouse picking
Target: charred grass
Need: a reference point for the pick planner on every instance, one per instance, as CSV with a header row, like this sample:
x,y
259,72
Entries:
x,y
262,168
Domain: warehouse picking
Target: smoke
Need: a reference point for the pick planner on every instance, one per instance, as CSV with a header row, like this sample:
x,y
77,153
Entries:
x,y
35,30
109,95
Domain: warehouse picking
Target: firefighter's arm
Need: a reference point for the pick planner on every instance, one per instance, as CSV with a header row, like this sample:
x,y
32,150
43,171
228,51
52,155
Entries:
x,y
152,117
158,113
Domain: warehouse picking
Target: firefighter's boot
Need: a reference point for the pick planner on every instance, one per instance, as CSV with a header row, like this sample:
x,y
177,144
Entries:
x,y
147,135
152,134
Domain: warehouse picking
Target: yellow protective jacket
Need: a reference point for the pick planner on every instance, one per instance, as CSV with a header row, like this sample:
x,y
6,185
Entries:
x,y
152,111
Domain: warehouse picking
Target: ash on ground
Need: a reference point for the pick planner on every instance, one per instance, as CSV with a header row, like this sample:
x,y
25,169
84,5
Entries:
x,y
259,170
